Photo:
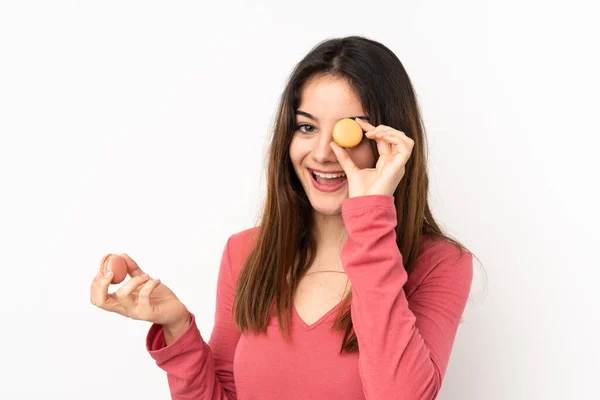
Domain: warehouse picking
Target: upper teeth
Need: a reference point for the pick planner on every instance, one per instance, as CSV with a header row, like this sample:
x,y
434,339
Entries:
x,y
329,176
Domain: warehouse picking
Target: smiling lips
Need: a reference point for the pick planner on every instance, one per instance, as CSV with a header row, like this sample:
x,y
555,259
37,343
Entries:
x,y
328,181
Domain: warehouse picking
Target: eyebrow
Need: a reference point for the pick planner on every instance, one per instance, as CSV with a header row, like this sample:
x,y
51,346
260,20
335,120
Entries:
x,y
307,115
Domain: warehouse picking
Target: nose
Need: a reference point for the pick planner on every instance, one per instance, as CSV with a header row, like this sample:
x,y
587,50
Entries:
x,y
322,153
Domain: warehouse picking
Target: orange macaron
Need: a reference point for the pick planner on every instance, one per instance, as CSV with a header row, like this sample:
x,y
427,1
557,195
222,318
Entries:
x,y
347,133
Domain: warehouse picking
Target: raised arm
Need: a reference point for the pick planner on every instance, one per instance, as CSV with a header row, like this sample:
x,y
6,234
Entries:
x,y
404,343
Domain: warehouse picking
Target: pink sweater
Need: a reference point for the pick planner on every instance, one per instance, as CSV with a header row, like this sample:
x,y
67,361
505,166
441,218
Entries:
x,y
405,325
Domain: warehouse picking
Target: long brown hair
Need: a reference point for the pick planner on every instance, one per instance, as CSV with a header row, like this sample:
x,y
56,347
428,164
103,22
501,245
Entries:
x,y
285,247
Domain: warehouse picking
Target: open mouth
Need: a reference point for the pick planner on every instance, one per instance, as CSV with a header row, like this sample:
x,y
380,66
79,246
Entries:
x,y
328,180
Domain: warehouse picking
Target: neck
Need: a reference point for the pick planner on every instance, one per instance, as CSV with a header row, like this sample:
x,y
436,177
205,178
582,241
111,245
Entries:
x,y
330,234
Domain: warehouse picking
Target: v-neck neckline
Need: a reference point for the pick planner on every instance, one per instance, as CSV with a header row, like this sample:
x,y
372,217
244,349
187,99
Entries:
x,y
317,322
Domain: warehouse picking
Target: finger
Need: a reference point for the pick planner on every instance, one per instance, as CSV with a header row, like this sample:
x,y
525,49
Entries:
x,y
383,147
132,268
99,290
344,158
146,293
381,131
371,133
395,141
378,134
364,124
132,284
401,136
400,142
384,133
123,294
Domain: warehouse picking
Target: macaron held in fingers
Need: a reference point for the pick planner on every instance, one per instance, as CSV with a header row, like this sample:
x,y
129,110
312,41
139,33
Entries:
x,y
116,264
394,148
347,133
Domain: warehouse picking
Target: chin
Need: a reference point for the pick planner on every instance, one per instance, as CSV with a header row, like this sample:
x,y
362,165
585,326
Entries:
x,y
331,206
325,203
328,211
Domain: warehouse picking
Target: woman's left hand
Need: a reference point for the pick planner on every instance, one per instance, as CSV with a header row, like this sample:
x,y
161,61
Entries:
x,y
394,149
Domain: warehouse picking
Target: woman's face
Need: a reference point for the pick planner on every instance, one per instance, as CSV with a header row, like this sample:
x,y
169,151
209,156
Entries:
x,y
323,102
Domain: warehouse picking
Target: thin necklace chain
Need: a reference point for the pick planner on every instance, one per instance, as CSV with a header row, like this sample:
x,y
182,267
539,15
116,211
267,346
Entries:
x,y
325,270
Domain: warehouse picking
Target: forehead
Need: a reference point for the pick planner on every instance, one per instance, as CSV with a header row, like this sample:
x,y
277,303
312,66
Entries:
x,y
329,97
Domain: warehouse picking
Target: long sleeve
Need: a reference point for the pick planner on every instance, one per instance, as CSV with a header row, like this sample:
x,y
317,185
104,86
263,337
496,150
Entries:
x,y
404,343
197,370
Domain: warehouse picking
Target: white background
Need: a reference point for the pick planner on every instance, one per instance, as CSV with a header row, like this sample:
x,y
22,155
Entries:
x,y
141,127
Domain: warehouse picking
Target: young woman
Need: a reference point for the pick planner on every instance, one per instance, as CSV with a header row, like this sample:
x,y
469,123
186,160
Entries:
x,y
348,288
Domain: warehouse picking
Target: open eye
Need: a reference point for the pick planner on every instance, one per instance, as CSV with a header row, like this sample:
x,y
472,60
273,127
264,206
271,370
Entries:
x,y
305,128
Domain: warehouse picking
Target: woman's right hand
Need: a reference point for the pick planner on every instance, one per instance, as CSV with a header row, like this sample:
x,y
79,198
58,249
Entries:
x,y
142,298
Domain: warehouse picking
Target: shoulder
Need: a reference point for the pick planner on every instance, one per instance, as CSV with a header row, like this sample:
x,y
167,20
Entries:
x,y
441,262
238,248
433,249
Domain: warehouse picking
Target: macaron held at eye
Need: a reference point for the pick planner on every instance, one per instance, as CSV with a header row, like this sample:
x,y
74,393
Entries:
x,y
117,265
347,133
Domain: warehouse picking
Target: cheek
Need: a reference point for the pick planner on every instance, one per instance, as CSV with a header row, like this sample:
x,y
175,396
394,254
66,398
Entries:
x,y
298,150
296,158
294,151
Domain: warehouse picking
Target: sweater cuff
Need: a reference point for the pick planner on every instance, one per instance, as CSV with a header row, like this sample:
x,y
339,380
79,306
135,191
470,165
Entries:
x,y
155,341
352,204
369,217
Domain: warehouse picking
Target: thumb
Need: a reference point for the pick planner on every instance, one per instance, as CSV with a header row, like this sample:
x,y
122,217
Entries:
x,y
132,268
344,158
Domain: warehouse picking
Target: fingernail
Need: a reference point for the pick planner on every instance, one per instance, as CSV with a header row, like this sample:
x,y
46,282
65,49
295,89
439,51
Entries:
x,y
108,274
